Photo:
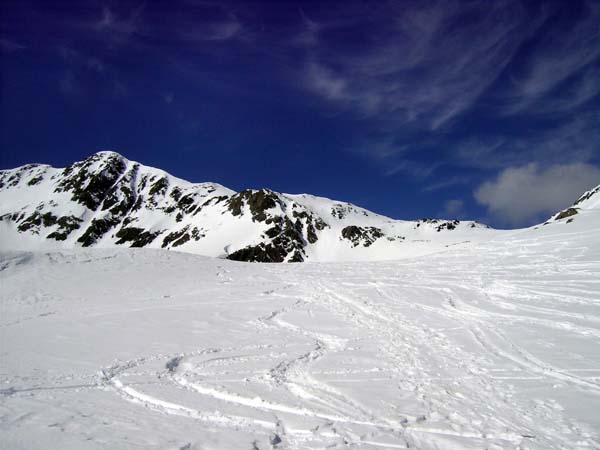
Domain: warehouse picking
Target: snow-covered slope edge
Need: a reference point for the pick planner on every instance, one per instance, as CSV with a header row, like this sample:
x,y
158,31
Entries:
x,y
587,204
107,200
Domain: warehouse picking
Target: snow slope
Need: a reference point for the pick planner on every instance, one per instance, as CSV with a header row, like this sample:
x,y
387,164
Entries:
x,y
491,345
107,200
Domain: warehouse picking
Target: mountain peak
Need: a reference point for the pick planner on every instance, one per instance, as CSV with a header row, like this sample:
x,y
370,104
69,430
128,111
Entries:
x,y
107,200
107,154
590,199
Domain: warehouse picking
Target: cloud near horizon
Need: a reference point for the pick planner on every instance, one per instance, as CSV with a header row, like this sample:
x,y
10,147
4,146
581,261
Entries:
x,y
521,194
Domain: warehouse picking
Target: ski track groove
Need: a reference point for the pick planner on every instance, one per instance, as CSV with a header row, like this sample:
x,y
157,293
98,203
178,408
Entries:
x,y
462,393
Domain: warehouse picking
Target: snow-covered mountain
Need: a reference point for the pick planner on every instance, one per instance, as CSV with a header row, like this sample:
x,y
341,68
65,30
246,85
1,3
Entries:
x,y
588,203
491,343
107,200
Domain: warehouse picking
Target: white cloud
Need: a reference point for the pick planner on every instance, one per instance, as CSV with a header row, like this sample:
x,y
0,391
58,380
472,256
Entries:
x,y
521,195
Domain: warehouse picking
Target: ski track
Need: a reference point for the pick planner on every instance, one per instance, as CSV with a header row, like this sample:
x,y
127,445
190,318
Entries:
x,y
294,374
444,344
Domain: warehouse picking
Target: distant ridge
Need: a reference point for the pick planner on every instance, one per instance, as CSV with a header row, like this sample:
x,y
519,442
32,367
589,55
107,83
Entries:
x,y
107,200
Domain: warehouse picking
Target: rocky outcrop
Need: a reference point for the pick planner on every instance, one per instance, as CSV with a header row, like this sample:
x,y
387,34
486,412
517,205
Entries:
x,y
364,236
108,200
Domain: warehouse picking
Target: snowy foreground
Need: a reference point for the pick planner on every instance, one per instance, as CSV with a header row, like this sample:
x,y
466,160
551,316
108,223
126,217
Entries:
x,y
493,345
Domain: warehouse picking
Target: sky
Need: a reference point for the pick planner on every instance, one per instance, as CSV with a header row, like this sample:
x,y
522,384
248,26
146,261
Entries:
x,y
471,109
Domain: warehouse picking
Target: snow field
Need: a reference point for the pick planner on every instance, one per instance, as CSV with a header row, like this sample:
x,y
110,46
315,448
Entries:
x,y
480,346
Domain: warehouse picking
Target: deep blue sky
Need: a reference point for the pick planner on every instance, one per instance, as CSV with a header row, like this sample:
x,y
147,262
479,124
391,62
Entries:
x,y
473,109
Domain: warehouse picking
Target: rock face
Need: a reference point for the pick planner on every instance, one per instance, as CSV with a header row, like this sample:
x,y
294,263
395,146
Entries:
x,y
361,236
107,200
588,201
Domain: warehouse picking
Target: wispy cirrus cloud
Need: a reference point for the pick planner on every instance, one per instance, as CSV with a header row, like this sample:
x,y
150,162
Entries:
x,y
84,73
424,76
211,32
109,21
414,169
75,57
420,65
576,140
570,53
68,84
9,46
446,183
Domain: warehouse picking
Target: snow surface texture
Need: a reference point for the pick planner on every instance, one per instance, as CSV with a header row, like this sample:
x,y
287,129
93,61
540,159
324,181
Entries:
x,y
107,201
494,345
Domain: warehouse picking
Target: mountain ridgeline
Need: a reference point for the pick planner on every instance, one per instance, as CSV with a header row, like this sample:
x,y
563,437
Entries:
x,y
107,200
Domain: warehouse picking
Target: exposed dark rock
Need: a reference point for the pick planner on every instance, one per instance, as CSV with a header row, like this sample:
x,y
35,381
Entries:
x,y
36,220
258,201
35,180
197,234
138,203
143,181
90,188
159,187
175,193
338,211
169,209
182,240
119,201
97,229
13,177
588,195
312,224
286,243
361,235
311,233
11,217
66,225
137,236
261,253
180,237
395,238
129,219
341,210
448,225
213,200
566,213
187,203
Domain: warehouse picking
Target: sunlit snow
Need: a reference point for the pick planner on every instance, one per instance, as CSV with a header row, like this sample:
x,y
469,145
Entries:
x,y
480,346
